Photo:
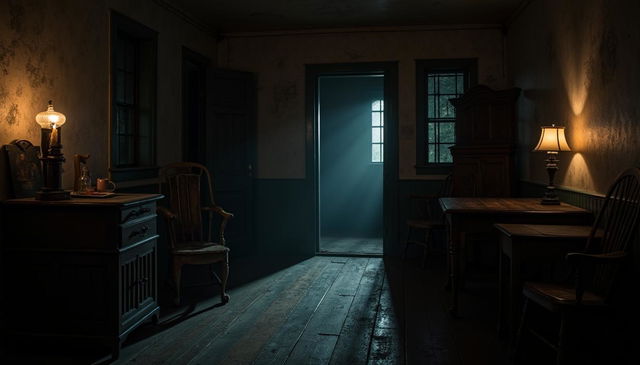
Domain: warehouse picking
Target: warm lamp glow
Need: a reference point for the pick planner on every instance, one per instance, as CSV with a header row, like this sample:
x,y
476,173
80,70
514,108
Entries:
x,y
552,139
50,118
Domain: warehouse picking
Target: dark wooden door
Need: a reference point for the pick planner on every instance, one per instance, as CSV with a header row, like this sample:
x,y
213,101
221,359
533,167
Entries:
x,y
230,146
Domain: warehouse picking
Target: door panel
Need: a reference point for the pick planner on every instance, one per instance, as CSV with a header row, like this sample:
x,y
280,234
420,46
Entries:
x,y
230,151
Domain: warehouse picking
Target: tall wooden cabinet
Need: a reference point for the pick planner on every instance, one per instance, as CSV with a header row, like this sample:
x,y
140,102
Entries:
x,y
82,268
483,157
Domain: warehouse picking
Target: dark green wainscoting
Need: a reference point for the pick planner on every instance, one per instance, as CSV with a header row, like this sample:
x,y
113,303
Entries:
x,y
283,212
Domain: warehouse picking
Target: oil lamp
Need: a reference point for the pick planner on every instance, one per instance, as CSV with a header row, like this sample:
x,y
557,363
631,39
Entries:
x,y
52,158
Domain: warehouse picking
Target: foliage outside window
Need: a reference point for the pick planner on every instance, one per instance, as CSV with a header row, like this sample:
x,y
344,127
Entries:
x,y
377,131
437,82
133,103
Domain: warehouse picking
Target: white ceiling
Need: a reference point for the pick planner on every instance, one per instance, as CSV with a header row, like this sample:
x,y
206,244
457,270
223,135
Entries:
x,y
268,15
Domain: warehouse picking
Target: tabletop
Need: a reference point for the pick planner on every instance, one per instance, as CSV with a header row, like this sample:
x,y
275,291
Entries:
x,y
118,199
505,205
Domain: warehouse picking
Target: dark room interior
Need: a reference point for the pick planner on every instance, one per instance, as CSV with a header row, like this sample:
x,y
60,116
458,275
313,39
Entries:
x,y
319,181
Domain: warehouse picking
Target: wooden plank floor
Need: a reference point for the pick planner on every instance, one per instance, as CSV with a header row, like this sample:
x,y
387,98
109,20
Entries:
x,y
338,310
347,245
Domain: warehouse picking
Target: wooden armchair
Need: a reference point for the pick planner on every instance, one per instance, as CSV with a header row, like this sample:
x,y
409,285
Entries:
x,y
420,229
181,183
595,268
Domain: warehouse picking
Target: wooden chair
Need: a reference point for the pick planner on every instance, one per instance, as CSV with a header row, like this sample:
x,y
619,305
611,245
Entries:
x,y
181,183
431,219
595,268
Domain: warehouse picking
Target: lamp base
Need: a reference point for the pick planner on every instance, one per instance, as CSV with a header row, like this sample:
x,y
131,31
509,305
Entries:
x,y
550,197
550,201
53,195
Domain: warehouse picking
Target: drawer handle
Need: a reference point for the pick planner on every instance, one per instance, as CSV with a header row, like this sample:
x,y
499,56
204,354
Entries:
x,y
139,232
136,213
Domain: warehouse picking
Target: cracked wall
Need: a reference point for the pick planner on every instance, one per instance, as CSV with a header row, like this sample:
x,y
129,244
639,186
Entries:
x,y
59,50
577,63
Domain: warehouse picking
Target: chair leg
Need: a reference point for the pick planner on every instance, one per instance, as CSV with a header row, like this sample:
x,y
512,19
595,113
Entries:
x,y
521,328
177,275
223,285
562,340
406,244
425,252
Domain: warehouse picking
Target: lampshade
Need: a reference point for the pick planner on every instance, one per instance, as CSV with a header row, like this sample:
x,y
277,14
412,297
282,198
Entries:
x,y
552,139
50,118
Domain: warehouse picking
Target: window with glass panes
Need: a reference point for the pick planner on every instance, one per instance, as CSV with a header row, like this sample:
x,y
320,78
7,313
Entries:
x,y
377,131
441,115
438,81
133,74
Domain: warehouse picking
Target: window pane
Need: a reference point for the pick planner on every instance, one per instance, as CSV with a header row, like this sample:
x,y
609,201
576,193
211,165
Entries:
x,y
460,88
375,119
431,107
430,85
376,156
431,134
447,84
447,133
431,153
446,110
375,135
381,105
445,153
376,105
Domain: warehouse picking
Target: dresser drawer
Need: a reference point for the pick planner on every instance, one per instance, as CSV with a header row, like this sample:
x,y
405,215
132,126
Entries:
x,y
137,231
137,212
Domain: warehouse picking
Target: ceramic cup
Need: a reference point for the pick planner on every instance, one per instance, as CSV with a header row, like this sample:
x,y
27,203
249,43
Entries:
x,y
105,185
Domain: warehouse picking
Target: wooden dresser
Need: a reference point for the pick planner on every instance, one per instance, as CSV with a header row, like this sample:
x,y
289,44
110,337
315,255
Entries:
x,y
483,157
83,269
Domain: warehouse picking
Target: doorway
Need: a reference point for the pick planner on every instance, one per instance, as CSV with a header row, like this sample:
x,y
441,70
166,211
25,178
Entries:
x,y
351,161
352,117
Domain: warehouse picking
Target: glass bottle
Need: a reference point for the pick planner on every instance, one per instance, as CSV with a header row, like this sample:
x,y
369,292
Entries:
x,y
85,180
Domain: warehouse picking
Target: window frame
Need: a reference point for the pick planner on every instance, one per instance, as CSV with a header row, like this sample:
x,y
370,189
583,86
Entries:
x,y
468,66
380,127
146,55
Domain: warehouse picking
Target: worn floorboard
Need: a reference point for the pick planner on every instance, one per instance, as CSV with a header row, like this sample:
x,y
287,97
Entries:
x,y
338,310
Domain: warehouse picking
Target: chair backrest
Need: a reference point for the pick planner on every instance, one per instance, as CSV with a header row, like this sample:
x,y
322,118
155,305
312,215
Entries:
x,y
182,183
615,226
447,187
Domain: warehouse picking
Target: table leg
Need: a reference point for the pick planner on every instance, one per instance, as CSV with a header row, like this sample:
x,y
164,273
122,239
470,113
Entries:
x,y
454,269
514,292
500,324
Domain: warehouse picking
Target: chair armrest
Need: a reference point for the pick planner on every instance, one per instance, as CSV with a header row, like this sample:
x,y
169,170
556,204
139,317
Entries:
x,y
219,210
171,223
166,213
578,257
223,224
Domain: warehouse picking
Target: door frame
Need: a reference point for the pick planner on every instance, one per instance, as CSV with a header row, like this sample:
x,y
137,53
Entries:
x,y
390,148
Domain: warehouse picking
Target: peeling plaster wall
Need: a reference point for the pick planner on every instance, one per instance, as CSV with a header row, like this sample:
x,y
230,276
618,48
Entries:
x,y
59,50
577,63
279,62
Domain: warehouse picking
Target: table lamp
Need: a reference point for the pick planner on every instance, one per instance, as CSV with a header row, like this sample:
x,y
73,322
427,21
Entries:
x,y
552,141
50,122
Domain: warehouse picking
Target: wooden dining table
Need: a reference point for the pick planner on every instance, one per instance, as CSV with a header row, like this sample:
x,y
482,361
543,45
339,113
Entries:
x,y
466,216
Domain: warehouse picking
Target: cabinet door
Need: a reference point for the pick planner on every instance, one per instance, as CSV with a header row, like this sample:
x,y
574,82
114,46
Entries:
x,y
466,173
138,287
495,178
57,293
